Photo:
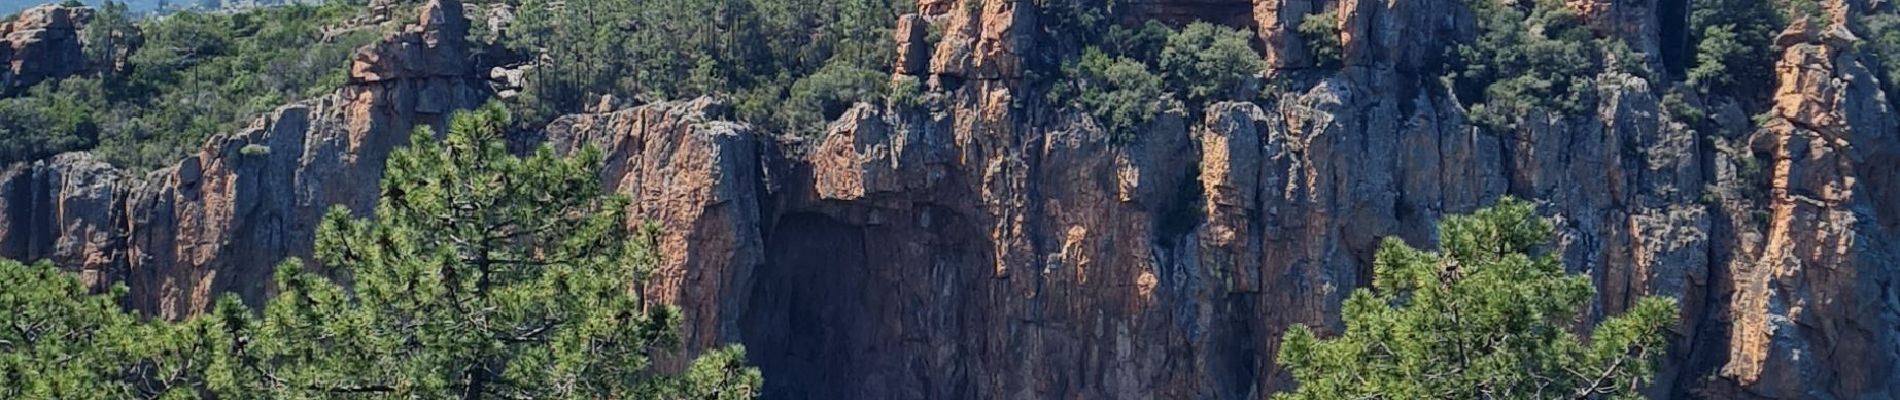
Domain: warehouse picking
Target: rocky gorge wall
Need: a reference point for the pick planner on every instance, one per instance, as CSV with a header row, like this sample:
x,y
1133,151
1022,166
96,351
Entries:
x,y
986,245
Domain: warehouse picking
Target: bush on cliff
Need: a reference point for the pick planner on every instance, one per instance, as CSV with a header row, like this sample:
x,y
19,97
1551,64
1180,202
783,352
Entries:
x,y
1734,45
820,98
1121,94
1484,317
1525,60
1115,81
482,275
1320,33
1207,63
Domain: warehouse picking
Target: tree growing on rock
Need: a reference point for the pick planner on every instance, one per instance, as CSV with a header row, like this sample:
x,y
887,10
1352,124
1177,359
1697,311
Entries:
x,y
1208,63
1486,317
482,275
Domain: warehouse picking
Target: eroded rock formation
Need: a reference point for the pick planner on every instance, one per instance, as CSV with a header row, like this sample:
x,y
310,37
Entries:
x,y
987,245
42,44
1811,309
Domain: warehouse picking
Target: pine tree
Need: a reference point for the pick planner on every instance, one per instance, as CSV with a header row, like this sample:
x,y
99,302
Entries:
x,y
1482,319
482,275
55,338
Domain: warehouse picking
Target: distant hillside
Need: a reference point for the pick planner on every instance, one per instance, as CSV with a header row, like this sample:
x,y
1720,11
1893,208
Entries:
x,y
144,7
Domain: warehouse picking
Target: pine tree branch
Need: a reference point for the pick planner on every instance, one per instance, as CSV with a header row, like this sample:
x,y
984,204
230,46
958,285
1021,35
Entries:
x,y
1602,383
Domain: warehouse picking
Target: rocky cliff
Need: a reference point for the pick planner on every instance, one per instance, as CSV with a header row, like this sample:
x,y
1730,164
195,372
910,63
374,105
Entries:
x,y
43,43
987,245
221,219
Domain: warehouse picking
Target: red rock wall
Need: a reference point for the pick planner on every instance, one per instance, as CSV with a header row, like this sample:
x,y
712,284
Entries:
x,y
986,245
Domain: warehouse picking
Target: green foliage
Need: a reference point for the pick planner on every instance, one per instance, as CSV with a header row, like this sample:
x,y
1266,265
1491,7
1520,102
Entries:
x,y
1680,107
1811,10
817,99
1142,42
254,150
1525,61
907,92
1209,63
1882,33
63,342
1083,19
63,322
720,374
198,75
1714,53
1114,79
1120,93
195,75
1485,317
1733,41
1320,32
51,118
758,52
107,35
1619,57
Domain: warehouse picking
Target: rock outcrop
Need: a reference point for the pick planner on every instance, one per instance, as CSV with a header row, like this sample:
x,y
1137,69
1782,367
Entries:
x,y
698,177
1812,314
987,245
42,44
220,220
62,209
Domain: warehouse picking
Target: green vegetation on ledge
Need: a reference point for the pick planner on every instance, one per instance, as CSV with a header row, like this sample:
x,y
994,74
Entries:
x,y
785,65
1115,79
1543,58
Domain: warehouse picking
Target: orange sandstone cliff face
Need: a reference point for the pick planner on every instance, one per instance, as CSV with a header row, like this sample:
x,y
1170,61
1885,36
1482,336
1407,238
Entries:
x,y
987,245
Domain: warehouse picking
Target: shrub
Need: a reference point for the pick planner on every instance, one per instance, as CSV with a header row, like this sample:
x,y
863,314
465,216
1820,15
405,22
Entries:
x,y
1680,107
1524,62
1120,93
1733,42
1714,53
254,150
1208,63
825,95
907,92
1619,57
1143,42
1320,32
